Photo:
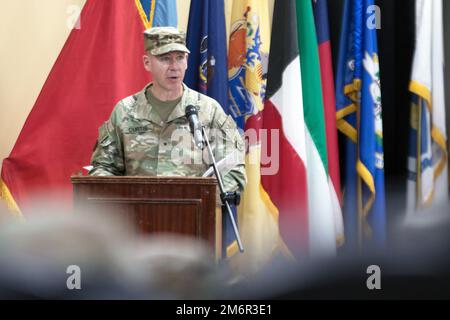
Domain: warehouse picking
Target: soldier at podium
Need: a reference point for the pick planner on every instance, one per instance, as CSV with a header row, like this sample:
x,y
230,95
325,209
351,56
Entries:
x,y
148,133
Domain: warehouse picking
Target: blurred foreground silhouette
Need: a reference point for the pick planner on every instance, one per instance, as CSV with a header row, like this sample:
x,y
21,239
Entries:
x,y
114,264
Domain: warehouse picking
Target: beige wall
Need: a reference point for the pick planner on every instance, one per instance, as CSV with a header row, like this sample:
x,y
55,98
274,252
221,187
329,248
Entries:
x,y
32,33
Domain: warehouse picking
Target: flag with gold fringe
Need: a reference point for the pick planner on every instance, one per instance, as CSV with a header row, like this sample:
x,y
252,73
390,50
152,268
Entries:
x,y
427,160
359,118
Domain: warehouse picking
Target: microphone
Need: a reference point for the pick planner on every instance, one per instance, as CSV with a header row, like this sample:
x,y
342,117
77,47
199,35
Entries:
x,y
195,125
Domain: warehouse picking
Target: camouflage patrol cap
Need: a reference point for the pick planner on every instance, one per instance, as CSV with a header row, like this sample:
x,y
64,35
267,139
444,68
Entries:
x,y
160,40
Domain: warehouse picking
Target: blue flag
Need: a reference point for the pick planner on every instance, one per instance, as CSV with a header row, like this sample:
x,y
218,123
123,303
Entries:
x,y
207,70
206,39
359,118
158,13
165,13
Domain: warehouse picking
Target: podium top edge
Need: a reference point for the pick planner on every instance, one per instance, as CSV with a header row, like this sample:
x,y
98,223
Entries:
x,y
143,180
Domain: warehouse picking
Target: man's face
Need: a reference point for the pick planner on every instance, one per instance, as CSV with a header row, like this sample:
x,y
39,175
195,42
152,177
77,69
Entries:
x,y
167,69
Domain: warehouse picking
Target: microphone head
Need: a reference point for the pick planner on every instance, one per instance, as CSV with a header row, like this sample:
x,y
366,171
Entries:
x,y
191,110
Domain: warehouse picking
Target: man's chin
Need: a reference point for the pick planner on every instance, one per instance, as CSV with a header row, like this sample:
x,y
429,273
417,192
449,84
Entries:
x,y
174,84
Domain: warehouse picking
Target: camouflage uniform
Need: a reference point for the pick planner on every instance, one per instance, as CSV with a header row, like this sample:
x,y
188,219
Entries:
x,y
135,141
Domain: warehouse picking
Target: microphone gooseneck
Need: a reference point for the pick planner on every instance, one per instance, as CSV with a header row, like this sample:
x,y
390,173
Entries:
x,y
195,125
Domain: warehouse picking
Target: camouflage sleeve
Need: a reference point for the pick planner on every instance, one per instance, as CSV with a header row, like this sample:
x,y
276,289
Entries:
x,y
107,159
228,141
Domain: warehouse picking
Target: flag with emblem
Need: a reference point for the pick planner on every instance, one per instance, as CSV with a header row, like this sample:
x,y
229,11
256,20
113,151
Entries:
x,y
427,160
249,45
207,73
100,63
206,39
359,111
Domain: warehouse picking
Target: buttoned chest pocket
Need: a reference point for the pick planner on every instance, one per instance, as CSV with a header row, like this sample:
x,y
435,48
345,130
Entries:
x,y
140,140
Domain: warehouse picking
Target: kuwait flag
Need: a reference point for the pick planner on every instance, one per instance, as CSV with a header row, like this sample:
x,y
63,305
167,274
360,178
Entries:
x,y
284,120
101,63
321,219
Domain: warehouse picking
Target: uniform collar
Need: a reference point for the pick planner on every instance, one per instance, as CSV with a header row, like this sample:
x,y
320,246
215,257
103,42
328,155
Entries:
x,y
179,111
145,111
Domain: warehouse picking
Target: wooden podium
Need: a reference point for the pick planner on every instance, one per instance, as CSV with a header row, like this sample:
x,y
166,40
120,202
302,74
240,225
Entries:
x,y
179,205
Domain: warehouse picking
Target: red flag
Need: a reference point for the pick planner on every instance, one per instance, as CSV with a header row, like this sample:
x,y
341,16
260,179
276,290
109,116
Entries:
x,y
99,64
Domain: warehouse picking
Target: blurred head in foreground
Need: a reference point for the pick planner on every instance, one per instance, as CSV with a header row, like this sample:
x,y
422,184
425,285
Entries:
x,y
60,255
40,258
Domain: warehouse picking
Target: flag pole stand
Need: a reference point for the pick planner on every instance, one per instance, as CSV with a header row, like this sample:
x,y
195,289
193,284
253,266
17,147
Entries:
x,y
227,198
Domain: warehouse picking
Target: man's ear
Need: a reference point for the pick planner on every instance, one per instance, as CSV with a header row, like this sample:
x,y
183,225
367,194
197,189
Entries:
x,y
147,63
187,60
